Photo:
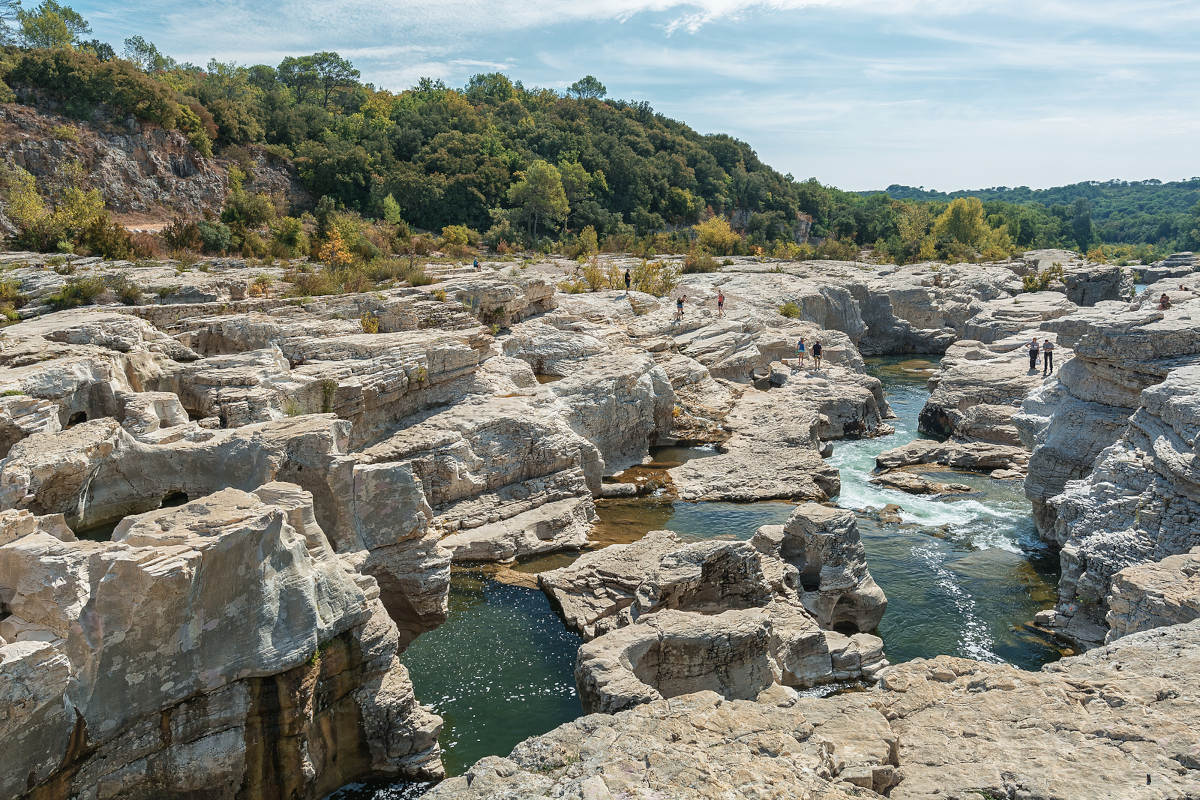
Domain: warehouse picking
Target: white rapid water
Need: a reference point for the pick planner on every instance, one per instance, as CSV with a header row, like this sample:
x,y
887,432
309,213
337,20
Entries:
x,y
962,574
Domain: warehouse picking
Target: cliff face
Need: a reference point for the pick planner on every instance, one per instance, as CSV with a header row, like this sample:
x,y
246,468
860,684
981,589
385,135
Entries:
x,y
145,172
1113,473
220,648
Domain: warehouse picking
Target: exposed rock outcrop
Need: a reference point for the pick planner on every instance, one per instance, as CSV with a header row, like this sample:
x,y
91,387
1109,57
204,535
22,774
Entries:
x,y
219,649
978,388
1154,595
145,170
823,544
663,618
774,450
1117,723
1112,475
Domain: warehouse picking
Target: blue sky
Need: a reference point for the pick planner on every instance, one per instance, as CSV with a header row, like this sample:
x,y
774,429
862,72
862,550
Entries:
x,y
858,93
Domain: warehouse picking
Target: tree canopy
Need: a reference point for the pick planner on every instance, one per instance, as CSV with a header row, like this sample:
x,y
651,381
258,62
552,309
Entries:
x,y
530,162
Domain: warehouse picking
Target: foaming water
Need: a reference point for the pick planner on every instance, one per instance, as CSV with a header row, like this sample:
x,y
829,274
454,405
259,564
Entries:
x,y
965,574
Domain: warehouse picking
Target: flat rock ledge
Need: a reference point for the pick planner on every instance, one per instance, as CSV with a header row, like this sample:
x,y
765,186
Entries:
x,y
1117,723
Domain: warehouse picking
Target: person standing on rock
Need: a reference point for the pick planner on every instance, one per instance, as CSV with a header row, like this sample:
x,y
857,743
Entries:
x,y
1047,357
817,354
679,306
628,280
800,352
720,303
1033,355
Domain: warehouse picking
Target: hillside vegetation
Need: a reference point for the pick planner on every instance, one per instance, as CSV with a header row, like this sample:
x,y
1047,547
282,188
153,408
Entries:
x,y
498,164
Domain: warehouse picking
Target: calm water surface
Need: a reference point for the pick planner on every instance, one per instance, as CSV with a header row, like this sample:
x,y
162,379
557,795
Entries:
x,y
963,577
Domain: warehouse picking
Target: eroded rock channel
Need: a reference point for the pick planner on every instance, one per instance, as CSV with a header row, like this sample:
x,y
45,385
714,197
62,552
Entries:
x,y
231,529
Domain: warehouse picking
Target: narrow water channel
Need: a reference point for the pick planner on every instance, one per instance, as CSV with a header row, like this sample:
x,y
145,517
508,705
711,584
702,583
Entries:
x,y
963,576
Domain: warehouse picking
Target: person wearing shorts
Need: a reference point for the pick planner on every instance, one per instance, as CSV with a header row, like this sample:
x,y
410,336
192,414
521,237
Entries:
x,y
800,352
816,355
720,303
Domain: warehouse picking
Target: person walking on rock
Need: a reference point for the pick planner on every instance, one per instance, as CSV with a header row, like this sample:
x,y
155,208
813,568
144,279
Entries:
x,y
628,281
817,354
800,352
679,306
720,303
1033,355
1047,357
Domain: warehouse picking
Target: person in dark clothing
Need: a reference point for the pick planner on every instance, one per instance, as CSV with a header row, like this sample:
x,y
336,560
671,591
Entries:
x,y
720,303
1033,355
816,350
628,280
1047,357
679,306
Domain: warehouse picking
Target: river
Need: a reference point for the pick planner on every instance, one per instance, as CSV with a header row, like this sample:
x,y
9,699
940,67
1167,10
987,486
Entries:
x,y
963,576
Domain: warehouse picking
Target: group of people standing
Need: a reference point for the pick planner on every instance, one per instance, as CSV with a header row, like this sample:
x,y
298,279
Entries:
x,y
1046,348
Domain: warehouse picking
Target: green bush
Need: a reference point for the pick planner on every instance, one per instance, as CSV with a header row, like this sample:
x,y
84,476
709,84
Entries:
x,y
182,234
81,83
128,293
790,310
699,260
215,237
76,292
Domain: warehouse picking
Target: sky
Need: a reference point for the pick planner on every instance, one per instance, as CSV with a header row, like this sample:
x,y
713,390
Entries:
x,y
861,94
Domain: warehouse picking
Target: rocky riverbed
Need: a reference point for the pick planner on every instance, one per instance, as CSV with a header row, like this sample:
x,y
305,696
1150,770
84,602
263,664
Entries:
x,y
225,520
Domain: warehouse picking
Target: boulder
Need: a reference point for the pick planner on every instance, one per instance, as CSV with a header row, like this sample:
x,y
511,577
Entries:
x,y
823,544
955,453
662,618
913,483
737,654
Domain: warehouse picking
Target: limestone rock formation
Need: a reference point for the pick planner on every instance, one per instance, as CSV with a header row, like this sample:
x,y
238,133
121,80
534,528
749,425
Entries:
x,y
1154,595
1118,722
777,435
737,654
823,544
978,388
220,648
1114,439
913,483
663,618
956,453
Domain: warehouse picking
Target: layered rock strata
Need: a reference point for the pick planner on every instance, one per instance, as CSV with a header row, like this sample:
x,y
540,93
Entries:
x,y
220,648
1154,595
1112,474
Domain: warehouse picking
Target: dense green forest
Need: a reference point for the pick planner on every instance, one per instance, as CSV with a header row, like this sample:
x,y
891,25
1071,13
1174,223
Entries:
x,y
503,165
1123,211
